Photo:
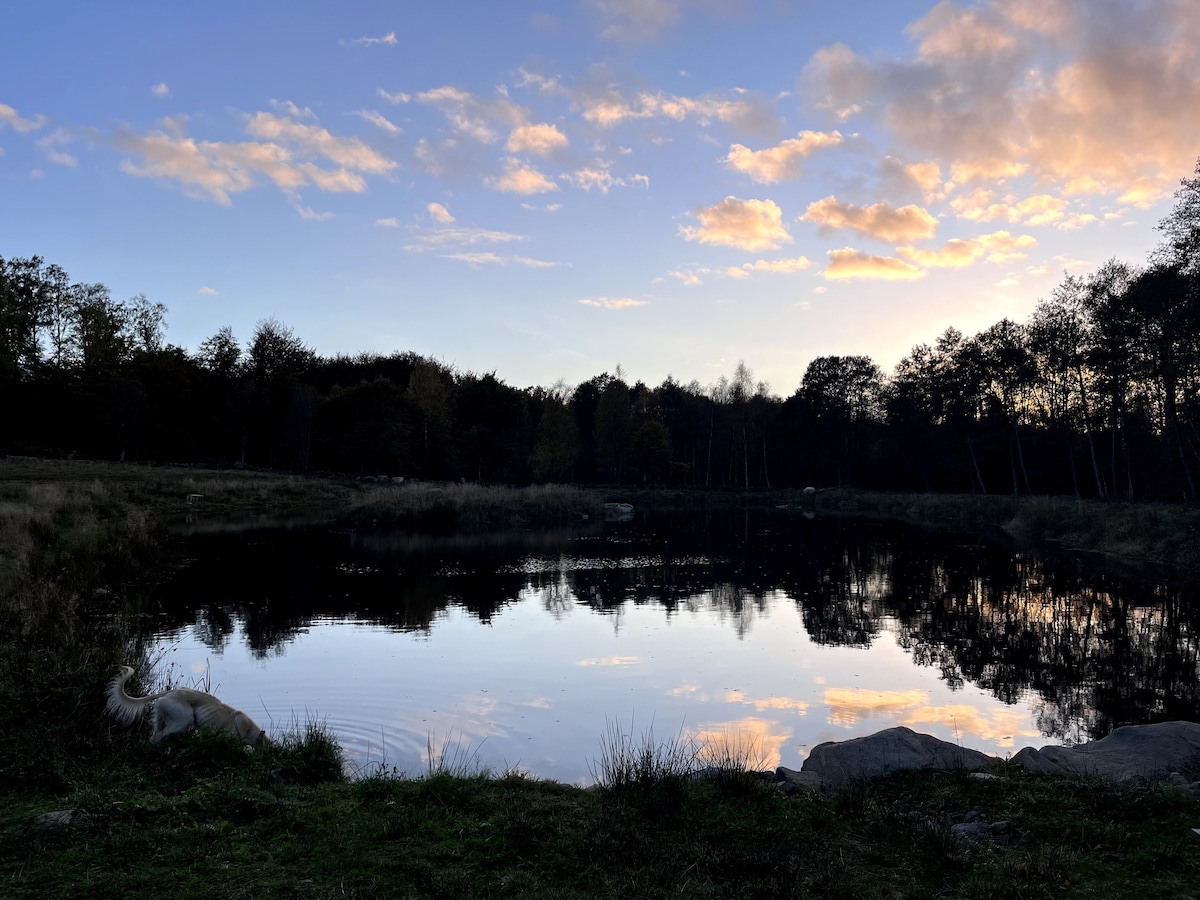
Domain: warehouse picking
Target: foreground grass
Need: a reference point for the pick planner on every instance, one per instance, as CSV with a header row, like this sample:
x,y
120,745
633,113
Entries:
x,y
205,818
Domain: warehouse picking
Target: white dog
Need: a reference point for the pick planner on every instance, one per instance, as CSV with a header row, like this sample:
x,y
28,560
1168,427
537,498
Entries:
x,y
179,710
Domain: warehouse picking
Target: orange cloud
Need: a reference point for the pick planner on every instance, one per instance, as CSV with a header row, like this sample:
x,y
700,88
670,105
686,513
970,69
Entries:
x,y
999,246
520,179
540,140
781,162
1049,90
849,706
1001,726
848,264
879,220
745,224
758,743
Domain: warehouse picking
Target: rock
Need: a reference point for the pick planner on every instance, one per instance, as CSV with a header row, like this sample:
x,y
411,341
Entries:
x,y
1132,751
885,752
971,831
984,776
796,779
62,818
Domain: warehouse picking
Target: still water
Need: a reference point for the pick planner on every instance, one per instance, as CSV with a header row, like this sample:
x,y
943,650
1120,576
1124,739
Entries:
x,y
762,630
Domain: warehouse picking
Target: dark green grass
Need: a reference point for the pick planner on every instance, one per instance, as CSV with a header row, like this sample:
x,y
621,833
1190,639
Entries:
x,y
218,820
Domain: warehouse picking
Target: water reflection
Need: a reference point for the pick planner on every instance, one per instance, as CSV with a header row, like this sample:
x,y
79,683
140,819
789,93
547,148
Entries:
x,y
1083,648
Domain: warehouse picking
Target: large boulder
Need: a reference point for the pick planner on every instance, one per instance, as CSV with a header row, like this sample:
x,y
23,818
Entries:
x,y
885,752
1132,751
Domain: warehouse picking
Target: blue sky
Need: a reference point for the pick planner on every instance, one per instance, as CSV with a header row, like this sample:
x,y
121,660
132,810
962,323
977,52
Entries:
x,y
548,190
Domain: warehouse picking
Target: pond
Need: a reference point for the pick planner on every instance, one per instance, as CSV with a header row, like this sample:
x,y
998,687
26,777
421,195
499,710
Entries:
x,y
767,631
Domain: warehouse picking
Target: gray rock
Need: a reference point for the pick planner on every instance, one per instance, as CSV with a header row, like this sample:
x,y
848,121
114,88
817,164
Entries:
x,y
1132,751
885,752
62,818
971,831
796,779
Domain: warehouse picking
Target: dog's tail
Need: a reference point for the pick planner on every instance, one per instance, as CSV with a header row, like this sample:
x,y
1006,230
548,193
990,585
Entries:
x,y
121,706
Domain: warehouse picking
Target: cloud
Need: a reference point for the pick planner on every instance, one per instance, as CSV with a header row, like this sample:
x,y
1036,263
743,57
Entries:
x,y
613,302
633,21
520,179
611,661
981,205
378,120
879,220
439,214
1064,92
795,264
601,103
540,140
389,222
595,176
848,264
308,215
207,291
445,233
161,90
9,117
999,246
49,145
216,170
781,162
288,108
475,116
387,40
745,224
350,153
475,260
394,99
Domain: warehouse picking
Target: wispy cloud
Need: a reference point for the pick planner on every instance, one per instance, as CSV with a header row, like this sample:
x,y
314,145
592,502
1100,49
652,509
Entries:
x,y
475,260
378,120
160,90
288,153
49,146
9,117
474,116
746,224
309,215
395,99
387,40
207,291
613,302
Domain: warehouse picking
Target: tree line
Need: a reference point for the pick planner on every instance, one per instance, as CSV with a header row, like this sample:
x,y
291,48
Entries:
x,y
1096,394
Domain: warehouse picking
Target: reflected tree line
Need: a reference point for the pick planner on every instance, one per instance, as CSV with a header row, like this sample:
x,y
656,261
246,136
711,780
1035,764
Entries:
x,y
1099,649
1097,394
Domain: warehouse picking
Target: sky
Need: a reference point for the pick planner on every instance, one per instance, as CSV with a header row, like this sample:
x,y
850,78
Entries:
x,y
548,190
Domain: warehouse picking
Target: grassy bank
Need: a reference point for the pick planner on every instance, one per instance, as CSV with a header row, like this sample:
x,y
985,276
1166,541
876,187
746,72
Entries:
x,y
1143,533
203,818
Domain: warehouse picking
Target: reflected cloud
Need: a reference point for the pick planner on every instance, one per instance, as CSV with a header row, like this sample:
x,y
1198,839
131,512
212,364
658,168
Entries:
x,y
849,706
611,661
1001,726
758,743
764,703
